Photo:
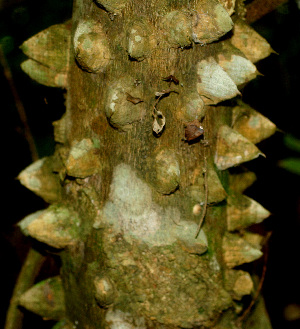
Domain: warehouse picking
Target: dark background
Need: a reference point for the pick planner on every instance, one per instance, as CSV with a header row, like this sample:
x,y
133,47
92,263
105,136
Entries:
x,y
275,95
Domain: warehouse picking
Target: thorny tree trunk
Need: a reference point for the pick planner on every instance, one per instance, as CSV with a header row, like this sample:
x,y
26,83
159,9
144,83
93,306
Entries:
x,y
134,176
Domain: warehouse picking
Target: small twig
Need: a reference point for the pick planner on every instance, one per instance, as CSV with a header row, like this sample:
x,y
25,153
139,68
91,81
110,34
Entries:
x,y
260,284
206,195
160,95
28,273
165,92
19,105
156,102
34,260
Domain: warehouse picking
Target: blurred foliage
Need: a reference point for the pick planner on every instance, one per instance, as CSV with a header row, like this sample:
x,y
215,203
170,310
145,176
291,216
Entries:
x,y
292,142
7,43
274,93
19,20
291,164
26,18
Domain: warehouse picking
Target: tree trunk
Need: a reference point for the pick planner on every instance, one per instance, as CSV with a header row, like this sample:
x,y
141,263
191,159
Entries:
x,y
146,189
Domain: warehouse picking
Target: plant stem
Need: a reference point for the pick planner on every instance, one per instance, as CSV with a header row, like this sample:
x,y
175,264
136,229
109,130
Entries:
x,y
28,273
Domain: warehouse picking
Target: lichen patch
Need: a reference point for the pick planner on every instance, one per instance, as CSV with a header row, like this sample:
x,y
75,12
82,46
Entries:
x,y
131,211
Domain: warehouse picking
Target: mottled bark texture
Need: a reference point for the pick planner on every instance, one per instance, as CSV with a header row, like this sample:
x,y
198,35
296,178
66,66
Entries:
x,y
128,188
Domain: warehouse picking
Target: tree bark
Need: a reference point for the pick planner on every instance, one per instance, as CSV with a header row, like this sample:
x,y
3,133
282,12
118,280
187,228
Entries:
x,y
148,214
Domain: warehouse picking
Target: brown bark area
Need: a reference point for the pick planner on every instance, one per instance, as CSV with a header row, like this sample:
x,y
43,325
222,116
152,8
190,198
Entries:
x,y
133,194
86,111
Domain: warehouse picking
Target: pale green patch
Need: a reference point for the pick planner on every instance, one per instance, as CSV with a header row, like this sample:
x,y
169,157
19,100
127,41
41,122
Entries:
x,y
223,19
56,226
138,38
254,122
131,210
239,69
81,148
28,175
96,143
82,28
121,320
28,219
214,85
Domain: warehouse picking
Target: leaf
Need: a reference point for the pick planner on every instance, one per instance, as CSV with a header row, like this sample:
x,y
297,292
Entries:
x,y
291,164
171,79
292,142
193,130
134,100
